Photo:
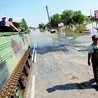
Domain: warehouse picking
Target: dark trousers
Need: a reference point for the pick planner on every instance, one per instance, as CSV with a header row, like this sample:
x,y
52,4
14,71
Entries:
x,y
95,70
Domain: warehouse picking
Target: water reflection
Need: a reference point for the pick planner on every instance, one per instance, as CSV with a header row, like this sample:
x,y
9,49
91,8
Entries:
x,y
85,40
45,39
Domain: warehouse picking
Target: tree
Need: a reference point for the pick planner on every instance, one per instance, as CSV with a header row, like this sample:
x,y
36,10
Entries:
x,y
42,26
55,20
16,24
66,17
78,17
23,25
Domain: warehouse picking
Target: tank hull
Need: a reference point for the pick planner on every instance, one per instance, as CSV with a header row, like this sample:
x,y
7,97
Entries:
x,y
14,54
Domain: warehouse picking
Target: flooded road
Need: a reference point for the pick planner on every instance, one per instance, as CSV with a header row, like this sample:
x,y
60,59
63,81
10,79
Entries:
x,y
44,39
60,70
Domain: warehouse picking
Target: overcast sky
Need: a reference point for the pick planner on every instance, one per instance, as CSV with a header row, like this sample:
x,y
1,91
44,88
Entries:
x,y
34,11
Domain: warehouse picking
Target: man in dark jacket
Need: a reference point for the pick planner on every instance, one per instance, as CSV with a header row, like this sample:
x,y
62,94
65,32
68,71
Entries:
x,y
2,23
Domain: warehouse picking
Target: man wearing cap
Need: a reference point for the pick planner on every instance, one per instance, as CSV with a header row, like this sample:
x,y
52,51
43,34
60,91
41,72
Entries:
x,y
93,57
3,22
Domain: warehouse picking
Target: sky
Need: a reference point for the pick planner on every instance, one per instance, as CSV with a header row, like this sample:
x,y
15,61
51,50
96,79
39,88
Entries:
x,y
34,11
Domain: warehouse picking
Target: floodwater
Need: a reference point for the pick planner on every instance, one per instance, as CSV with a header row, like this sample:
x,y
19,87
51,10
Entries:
x,y
85,40
40,38
44,39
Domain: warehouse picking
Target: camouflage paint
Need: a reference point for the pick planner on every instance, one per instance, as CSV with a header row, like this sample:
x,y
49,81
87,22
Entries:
x,y
12,49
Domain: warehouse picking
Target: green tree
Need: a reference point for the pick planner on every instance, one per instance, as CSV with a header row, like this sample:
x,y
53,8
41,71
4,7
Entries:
x,y
66,17
55,20
78,17
16,24
42,26
23,25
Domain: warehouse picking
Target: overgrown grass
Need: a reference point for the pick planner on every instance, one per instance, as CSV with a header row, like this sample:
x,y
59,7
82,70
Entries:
x,y
70,33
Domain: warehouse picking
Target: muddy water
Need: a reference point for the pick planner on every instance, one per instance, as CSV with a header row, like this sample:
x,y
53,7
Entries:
x,y
40,38
85,40
44,39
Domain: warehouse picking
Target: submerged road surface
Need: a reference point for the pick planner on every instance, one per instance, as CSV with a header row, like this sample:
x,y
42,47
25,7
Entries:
x,y
60,70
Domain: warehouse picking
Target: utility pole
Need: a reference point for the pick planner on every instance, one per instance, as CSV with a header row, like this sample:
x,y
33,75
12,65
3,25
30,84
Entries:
x,y
48,16
92,21
96,17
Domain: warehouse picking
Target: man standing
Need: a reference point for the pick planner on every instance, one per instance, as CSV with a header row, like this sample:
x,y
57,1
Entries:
x,y
3,22
93,56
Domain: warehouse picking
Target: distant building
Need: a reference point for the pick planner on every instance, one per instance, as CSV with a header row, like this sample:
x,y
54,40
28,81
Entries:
x,y
61,24
96,14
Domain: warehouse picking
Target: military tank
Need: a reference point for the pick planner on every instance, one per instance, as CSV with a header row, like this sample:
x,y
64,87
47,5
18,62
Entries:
x,y
15,63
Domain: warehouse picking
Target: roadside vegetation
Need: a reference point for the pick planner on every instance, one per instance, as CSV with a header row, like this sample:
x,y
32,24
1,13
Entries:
x,y
74,33
23,26
74,22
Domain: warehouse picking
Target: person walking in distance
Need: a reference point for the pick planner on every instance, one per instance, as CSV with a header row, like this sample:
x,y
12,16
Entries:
x,y
93,57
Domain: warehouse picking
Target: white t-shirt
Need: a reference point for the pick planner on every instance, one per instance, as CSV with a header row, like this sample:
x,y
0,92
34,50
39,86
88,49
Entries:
x,y
91,48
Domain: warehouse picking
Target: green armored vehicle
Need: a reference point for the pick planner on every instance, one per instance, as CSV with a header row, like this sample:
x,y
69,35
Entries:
x,y
15,63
